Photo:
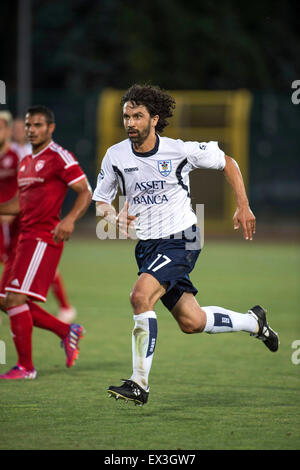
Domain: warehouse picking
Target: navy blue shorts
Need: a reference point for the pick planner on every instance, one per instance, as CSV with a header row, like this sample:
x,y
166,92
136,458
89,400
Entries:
x,y
170,260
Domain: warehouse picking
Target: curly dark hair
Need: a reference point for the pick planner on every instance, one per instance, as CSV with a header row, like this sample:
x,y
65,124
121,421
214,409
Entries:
x,y
41,109
157,102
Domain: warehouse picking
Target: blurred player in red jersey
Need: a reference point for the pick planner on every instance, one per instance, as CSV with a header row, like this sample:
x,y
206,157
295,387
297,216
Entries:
x,y
22,147
8,159
8,187
15,147
19,142
43,181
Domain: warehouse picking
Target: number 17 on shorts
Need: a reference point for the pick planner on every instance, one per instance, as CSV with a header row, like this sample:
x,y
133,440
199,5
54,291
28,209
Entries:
x,y
159,262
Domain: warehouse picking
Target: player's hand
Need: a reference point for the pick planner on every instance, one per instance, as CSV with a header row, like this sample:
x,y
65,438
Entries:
x,y
63,230
244,217
125,221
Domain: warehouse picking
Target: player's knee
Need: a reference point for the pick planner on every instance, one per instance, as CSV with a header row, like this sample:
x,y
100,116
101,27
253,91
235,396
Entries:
x,y
139,301
14,300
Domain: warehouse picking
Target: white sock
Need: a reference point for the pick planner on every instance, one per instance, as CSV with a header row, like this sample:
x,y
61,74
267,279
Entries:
x,y
144,337
221,320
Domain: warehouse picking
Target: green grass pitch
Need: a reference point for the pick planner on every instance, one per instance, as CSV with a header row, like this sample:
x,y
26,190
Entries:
x,y
224,391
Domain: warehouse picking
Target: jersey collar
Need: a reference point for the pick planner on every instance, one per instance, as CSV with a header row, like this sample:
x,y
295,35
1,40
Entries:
x,y
43,150
147,154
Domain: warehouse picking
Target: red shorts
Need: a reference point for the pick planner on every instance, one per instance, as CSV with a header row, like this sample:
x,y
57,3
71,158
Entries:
x,y
32,270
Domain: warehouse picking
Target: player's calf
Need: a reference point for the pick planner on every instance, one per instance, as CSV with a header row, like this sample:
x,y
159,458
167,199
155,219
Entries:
x,y
190,327
189,315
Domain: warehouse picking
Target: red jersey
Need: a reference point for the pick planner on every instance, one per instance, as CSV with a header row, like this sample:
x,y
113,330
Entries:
x,y
8,175
43,181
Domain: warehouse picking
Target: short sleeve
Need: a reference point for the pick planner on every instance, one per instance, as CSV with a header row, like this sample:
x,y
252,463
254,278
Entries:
x,y
205,155
107,182
69,169
8,176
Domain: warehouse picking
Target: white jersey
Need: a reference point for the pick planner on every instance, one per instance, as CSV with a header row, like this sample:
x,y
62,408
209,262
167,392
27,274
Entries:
x,y
21,150
156,184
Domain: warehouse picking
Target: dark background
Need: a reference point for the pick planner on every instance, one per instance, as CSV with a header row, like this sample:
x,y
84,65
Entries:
x,y
79,47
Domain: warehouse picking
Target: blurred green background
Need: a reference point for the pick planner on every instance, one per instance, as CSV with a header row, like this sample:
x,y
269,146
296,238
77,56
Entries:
x,y
225,391
221,392
64,54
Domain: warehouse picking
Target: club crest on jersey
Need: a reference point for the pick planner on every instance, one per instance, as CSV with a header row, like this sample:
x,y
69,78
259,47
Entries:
x,y
165,167
39,165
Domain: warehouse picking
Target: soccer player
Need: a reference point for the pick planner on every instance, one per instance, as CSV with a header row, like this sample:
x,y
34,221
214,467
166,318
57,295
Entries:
x,y
19,142
8,186
153,173
13,148
8,159
43,181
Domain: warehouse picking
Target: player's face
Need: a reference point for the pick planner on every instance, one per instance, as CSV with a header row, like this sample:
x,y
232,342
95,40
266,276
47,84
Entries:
x,y
138,123
38,131
4,132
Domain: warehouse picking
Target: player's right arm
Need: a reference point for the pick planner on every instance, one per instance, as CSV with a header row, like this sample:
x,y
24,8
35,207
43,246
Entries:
x,y
104,195
65,227
123,220
107,182
106,190
106,211
11,207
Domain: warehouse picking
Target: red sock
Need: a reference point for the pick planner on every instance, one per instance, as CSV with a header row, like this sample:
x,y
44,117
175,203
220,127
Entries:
x,y
21,328
45,320
59,291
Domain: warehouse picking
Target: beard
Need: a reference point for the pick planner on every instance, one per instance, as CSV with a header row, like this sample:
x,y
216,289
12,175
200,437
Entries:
x,y
39,142
140,136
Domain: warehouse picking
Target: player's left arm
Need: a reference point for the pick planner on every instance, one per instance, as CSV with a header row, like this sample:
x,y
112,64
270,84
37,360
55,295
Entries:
x,y
243,215
11,207
65,228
